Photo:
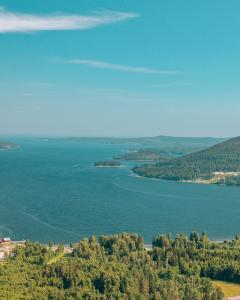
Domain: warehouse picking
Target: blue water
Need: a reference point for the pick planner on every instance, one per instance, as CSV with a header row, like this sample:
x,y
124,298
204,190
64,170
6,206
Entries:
x,y
50,191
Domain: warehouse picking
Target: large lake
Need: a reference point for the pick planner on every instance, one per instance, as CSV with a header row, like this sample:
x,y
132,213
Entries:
x,y
50,191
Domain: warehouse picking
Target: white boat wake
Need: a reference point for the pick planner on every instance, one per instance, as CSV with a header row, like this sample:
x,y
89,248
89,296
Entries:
x,y
36,219
116,183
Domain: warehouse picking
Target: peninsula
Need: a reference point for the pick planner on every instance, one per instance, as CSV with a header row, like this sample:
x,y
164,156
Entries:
x,y
219,164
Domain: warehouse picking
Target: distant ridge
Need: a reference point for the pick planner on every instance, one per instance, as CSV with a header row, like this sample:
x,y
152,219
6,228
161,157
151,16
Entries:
x,y
167,144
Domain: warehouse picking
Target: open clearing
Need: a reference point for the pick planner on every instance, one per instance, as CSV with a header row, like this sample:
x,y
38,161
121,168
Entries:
x,y
229,289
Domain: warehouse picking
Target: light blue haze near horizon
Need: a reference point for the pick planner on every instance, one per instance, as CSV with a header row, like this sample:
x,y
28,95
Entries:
x,y
119,68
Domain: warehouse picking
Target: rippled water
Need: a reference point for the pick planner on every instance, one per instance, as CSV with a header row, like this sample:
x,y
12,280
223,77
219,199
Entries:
x,y
50,190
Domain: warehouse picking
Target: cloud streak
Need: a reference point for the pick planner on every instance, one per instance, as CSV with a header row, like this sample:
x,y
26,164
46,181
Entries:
x,y
124,68
23,22
172,84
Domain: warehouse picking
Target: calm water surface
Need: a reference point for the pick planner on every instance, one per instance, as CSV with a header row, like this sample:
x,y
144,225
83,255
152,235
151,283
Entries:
x,y
50,190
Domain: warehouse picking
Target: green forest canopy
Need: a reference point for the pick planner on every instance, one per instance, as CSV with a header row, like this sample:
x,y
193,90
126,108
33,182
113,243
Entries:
x,y
119,267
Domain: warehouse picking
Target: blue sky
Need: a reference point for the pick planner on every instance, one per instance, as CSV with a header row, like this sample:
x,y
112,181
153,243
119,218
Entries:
x,y
120,68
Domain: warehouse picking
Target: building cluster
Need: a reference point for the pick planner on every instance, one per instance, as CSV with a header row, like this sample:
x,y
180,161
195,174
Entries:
x,y
5,240
4,247
7,246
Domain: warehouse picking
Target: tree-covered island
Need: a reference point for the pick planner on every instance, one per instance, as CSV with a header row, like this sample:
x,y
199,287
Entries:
x,y
107,163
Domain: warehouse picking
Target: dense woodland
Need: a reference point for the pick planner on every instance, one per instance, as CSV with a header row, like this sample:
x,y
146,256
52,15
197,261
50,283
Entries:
x,y
119,267
223,157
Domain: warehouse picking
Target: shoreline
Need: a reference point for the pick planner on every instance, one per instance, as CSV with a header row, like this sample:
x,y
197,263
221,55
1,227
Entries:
x,y
197,181
122,166
147,243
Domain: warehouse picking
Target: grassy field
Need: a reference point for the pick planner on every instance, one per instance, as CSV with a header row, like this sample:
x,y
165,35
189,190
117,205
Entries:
x,y
229,289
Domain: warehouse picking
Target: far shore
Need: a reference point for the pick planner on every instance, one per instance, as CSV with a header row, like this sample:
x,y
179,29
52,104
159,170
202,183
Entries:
x,y
121,166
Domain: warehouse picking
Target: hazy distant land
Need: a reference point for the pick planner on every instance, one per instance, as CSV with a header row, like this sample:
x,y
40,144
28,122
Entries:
x,y
4,145
164,144
143,155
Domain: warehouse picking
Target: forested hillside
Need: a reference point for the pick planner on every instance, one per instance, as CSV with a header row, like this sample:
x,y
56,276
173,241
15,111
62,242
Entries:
x,y
223,157
119,267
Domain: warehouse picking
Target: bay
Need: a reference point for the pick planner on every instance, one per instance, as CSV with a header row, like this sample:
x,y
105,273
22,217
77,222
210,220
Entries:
x,y
51,191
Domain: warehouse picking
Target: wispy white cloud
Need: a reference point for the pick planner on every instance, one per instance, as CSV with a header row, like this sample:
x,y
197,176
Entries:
x,y
27,94
23,22
172,84
115,94
125,68
162,85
